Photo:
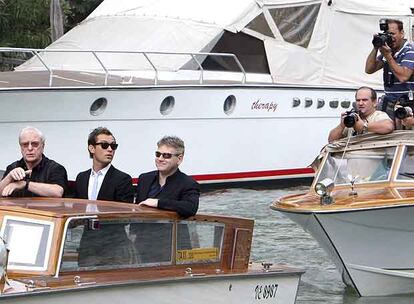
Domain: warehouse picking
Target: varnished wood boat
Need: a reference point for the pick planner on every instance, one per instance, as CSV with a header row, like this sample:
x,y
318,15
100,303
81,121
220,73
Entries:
x,y
360,208
79,251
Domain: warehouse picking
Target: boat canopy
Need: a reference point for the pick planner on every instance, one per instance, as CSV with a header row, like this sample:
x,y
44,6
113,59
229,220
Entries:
x,y
307,42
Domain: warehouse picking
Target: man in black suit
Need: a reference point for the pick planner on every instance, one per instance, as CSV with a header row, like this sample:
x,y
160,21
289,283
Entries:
x,y
109,245
103,181
170,189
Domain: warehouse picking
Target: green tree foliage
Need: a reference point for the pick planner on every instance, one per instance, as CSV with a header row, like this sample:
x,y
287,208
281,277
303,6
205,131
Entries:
x,y
26,23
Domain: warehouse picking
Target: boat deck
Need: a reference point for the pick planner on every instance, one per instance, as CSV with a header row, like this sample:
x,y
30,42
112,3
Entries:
x,y
64,78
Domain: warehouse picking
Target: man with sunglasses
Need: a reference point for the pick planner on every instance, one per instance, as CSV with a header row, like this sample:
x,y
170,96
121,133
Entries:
x,y
168,188
103,181
34,174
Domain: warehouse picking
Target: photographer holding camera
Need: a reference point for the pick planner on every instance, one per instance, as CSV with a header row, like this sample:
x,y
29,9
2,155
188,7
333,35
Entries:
x,y
365,119
404,118
396,59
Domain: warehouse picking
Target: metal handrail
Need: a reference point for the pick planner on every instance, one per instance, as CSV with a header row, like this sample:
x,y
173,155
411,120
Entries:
x,y
95,53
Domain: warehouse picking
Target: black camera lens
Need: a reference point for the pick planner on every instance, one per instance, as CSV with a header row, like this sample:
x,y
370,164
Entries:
x,y
349,121
381,39
402,112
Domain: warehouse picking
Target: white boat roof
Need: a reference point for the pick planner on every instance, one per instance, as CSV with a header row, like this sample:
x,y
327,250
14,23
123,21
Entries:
x,y
312,42
372,140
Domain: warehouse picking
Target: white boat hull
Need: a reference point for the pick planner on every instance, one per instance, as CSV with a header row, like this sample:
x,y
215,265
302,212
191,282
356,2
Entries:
x,y
242,146
265,288
372,248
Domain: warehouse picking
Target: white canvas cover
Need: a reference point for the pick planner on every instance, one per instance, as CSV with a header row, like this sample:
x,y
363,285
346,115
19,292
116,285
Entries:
x,y
334,56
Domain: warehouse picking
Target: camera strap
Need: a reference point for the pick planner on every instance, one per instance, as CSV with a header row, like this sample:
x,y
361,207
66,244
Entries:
x,y
388,76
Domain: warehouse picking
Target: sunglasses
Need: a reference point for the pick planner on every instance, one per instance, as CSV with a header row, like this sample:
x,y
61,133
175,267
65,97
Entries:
x,y
165,155
106,145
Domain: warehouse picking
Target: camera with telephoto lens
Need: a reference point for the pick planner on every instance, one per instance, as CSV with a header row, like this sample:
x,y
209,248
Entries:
x,y
403,112
404,106
350,118
383,38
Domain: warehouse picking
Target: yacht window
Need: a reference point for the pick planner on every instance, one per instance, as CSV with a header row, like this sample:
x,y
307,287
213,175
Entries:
x,y
199,242
121,243
29,242
406,170
361,165
249,50
296,23
259,24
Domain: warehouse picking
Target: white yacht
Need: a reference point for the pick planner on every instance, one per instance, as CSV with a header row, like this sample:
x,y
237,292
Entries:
x,y
243,82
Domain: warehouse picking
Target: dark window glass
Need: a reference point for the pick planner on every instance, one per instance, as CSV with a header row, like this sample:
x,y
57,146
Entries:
x,y
249,50
296,24
259,24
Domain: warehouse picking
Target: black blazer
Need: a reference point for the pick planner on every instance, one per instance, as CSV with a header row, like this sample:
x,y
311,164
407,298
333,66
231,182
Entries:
x,y
180,193
116,186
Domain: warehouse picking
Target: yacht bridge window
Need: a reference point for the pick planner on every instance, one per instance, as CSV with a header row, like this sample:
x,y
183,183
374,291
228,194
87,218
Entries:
x,y
260,25
296,23
249,50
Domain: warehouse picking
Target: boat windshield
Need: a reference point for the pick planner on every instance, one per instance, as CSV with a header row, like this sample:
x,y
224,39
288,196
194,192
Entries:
x,y
127,243
406,170
362,166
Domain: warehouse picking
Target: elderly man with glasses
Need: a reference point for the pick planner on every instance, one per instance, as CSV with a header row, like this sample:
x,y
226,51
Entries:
x,y
168,188
103,181
34,174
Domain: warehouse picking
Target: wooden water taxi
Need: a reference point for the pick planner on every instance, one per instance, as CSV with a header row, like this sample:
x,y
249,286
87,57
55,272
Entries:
x,y
60,250
360,208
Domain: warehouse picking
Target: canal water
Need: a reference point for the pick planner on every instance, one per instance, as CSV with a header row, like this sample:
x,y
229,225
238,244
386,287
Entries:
x,y
278,240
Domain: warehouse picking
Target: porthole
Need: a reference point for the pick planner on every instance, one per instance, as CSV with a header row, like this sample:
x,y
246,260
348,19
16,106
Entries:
x,y
167,105
229,104
321,103
334,103
345,104
296,102
98,106
308,102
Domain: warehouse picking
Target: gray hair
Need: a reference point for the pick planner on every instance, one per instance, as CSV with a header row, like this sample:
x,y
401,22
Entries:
x,y
36,130
172,141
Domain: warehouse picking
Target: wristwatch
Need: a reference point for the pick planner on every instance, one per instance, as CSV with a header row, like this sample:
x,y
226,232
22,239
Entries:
x,y
26,187
365,128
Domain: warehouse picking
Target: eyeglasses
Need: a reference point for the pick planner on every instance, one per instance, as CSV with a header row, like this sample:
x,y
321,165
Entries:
x,y
34,144
106,145
165,155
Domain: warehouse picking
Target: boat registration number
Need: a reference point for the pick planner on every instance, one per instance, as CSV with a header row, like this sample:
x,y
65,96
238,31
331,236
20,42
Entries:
x,y
263,292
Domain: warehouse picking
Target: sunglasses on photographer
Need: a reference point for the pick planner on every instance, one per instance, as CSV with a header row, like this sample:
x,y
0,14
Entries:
x,y
165,155
106,145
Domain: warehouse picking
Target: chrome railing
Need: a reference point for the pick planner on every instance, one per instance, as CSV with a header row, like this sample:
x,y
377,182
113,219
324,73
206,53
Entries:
x,y
96,54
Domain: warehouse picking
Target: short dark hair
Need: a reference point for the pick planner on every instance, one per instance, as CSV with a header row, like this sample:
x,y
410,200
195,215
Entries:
x,y
373,92
94,134
172,141
397,22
